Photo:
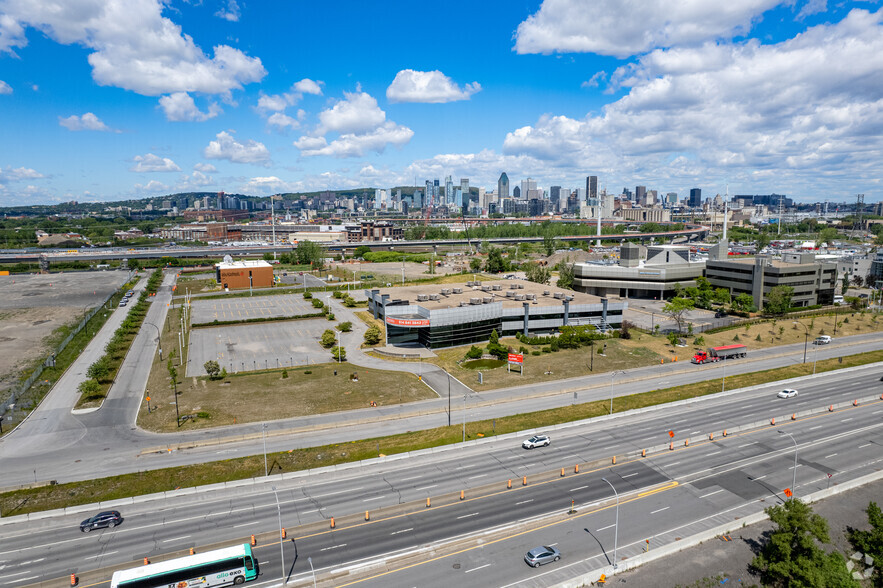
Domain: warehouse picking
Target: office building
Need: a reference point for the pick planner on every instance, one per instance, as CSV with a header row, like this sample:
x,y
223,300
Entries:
x,y
503,187
592,187
695,197
244,274
526,186
449,190
656,277
640,193
438,316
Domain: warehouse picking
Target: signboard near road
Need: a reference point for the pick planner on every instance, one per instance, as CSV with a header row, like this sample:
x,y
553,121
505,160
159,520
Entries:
x,y
517,359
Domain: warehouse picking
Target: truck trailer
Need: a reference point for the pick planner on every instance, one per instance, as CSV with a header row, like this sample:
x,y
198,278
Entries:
x,y
718,353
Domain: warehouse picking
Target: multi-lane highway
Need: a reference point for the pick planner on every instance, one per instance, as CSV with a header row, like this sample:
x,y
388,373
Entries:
x,y
668,494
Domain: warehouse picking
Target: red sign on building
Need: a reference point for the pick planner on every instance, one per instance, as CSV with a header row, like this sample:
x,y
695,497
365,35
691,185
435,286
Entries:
x,y
400,322
516,358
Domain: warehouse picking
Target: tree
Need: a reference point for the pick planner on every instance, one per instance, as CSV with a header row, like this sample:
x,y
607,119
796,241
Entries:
x,y
338,353
792,558
744,302
212,368
676,309
870,542
762,240
722,295
98,370
345,327
779,299
495,263
361,250
858,281
90,389
475,264
328,339
845,284
566,274
537,273
474,352
549,244
267,257
827,235
310,253
494,339
372,335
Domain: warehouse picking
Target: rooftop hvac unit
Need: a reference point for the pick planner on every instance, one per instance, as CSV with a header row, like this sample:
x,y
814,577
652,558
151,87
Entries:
x,y
545,292
510,294
559,295
531,296
422,297
458,290
485,288
477,283
464,303
434,297
497,287
569,297
475,301
446,291
470,284
488,299
519,297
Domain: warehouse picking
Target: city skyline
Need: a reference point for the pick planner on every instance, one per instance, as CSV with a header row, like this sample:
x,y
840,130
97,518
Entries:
x,y
101,103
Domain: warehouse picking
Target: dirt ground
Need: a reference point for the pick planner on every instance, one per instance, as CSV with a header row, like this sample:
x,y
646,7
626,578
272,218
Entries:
x,y
33,307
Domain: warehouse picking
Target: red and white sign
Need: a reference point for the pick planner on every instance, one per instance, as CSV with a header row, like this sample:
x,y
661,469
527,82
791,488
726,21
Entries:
x,y
401,322
516,358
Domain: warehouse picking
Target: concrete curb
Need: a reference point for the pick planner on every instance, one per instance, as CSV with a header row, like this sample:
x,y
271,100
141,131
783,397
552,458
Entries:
x,y
592,577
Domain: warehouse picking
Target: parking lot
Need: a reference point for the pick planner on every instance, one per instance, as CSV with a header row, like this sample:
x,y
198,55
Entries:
x,y
239,309
255,347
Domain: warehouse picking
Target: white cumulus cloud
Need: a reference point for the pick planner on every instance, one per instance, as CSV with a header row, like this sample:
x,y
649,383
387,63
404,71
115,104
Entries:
x,y
133,45
151,187
225,146
427,86
180,106
355,145
229,12
356,113
17,174
308,86
5,88
282,121
629,27
86,122
205,168
153,163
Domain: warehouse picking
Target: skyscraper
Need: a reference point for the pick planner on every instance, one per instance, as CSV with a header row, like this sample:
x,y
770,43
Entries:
x,y
640,193
526,186
503,186
449,190
696,197
592,187
555,197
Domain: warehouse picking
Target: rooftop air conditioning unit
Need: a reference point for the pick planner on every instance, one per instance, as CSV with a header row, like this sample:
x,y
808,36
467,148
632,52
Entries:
x,y
434,297
477,283
422,297
470,284
569,297
510,294
475,301
545,292
531,296
519,297
497,287
488,299
458,290
446,291
559,295
485,288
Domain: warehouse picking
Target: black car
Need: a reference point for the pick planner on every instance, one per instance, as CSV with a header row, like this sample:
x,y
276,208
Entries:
x,y
109,518
720,314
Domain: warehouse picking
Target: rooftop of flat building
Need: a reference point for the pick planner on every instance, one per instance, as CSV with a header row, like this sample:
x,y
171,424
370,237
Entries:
x,y
512,293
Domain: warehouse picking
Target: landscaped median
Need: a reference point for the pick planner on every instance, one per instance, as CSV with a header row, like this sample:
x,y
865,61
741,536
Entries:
x,y
137,484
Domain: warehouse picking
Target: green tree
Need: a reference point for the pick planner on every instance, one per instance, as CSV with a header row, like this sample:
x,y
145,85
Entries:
x,y
779,299
722,295
827,235
792,557
267,257
310,253
90,389
844,284
676,309
474,352
550,244
98,370
372,335
495,263
345,327
566,274
212,368
762,240
338,353
537,273
494,338
870,542
361,250
744,302
475,264
328,339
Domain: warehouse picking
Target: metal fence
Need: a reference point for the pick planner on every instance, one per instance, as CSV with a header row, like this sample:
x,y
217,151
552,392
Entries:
x,y
19,389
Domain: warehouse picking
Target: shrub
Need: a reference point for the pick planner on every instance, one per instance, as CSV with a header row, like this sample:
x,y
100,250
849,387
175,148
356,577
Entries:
x,y
308,372
758,337
523,349
554,345
318,303
308,295
330,316
328,339
700,340
284,374
345,327
535,353
372,335
736,338
625,331
337,294
203,415
474,352
547,350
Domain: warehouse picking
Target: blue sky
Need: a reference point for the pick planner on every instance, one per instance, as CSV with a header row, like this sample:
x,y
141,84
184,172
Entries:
x,y
118,99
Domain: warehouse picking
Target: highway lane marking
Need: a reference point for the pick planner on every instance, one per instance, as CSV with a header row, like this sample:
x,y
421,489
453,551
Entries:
x,y
660,510
402,531
830,456
605,528
411,478
712,453
816,427
761,477
178,538
427,487
333,547
695,432
580,488
846,420
673,464
101,555
747,444
478,476
476,569
531,500
865,445
877,411
243,525
312,511
13,575
24,579
467,516
338,492
629,475
373,498
711,493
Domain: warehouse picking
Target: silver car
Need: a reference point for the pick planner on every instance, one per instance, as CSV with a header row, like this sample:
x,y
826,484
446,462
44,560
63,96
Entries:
x,y
537,441
541,555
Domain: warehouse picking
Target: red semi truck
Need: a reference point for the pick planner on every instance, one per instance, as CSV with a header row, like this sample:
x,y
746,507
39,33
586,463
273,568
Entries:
x,y
719,353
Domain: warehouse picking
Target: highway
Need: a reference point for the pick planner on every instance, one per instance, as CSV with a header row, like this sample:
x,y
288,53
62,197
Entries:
x,y
685,489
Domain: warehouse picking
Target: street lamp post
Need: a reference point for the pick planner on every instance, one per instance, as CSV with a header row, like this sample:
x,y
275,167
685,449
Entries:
x,y
794,474
264,437
612,376
464,418
310,559
157,338
805,337
281,542
616,525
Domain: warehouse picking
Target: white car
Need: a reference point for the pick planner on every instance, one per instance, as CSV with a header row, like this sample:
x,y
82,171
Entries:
x,y
537,441
787,393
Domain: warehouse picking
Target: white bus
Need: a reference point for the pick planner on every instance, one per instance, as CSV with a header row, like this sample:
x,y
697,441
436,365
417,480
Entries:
x,y
222,567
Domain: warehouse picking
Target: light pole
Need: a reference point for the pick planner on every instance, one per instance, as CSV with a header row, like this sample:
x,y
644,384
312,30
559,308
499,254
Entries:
x,y
616,526
794,475
464,418
805,337
157,338
338,346
612,376
310,559
281,542
264,437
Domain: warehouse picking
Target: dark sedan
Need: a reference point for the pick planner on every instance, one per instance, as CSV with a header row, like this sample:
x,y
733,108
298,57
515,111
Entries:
x,y
109,518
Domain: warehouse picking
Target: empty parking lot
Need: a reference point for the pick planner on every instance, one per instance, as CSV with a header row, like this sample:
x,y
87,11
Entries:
x,y
240,309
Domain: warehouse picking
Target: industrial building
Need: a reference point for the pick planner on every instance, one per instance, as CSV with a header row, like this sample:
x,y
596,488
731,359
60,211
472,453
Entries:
x,y
445,316
236,275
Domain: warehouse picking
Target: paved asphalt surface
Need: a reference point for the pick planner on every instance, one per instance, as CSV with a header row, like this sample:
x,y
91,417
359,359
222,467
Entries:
x,y
667,495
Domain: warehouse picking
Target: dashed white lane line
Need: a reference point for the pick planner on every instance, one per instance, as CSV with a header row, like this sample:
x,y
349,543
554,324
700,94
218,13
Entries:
x,y
427,487
411,478
402,531
711,493
524,502
372,498
478,476
660,510
338,492
243,525
467,516
712,453
580,488
333,547
100,555
476,569
865,445
830,456
846,420
746,445
176,538
629,475
816,427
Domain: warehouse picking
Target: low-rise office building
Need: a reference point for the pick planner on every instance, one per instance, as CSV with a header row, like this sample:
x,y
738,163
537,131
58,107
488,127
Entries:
x,y
813,281
657,277
445,316
244,274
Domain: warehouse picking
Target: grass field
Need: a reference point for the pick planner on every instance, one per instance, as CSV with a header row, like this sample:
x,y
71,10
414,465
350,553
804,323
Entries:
x,y
57,496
